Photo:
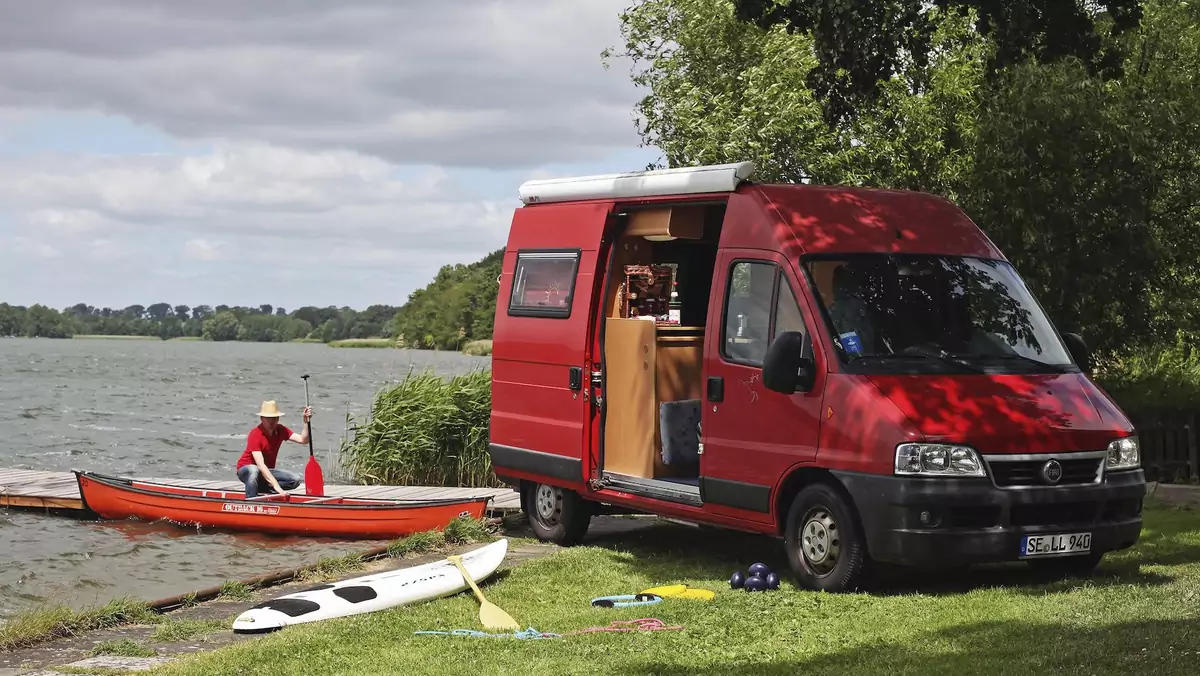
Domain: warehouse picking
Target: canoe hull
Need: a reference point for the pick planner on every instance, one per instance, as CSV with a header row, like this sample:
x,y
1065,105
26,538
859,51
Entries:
x,y
120,498
371,593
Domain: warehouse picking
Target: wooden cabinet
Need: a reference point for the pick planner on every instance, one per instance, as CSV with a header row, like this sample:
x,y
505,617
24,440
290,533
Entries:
x,y
646,364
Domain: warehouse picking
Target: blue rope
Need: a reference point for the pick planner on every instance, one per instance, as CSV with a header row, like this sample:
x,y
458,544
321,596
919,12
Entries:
x,y
626,600
529,633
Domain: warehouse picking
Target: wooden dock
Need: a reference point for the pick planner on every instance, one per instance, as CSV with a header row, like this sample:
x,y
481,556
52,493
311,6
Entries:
x,y
58,490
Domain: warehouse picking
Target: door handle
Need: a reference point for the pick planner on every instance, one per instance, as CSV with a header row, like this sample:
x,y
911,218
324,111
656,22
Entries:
x,y
576,378
716,388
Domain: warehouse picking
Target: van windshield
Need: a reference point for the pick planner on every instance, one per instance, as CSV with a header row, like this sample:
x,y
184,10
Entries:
x,y
927,313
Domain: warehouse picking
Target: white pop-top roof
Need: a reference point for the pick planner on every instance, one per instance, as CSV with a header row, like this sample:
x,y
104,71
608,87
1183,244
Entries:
x,y
681,180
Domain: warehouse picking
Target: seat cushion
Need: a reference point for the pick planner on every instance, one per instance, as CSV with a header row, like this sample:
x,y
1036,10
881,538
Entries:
x,y
679,427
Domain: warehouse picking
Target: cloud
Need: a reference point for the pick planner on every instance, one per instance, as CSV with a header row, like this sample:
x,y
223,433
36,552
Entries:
x,y
28,246
480,83
202,250
254,190
338,226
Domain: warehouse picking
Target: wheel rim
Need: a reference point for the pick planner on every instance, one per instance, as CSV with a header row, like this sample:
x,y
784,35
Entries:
x,y
820,545
546,503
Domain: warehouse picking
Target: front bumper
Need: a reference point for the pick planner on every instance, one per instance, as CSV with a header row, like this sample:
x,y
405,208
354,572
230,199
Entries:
x,y
956,521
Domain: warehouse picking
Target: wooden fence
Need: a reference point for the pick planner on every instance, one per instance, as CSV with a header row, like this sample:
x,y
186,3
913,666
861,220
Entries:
x,y
1169,446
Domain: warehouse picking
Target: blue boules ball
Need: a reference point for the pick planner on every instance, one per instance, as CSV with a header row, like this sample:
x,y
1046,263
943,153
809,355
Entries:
x,y
755,583
737,580
772,581
759,570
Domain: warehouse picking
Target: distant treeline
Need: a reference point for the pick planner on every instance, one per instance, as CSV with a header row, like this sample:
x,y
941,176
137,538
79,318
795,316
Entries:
x,y
454,309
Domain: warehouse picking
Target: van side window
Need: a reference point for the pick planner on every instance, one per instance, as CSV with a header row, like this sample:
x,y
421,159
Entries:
x,y
543,282
787,311
748,311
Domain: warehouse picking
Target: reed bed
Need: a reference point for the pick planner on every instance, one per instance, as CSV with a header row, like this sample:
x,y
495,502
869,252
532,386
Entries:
x,y
426,430
478,348
363,342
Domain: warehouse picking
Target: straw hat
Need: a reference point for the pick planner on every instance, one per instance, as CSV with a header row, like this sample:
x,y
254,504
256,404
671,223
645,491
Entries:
x,y
270,410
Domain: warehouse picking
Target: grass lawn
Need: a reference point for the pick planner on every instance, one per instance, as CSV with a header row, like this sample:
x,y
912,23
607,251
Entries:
x,y
1129,618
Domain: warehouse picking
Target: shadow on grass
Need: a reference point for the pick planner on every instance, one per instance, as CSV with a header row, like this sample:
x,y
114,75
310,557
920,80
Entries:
x,y
668,552
1166,647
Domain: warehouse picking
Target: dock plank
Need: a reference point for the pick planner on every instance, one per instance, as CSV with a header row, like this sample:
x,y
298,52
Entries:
x,y
58,490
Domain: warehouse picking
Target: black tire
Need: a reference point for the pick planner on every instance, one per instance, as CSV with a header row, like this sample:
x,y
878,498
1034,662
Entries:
x,y
824,541
1067,566
557,515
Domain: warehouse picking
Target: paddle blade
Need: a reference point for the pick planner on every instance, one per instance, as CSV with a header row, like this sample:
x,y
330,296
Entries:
x,y
314,481
492,617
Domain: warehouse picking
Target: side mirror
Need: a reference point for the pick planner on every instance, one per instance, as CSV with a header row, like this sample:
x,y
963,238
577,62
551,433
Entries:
x,y
1079,351
785,369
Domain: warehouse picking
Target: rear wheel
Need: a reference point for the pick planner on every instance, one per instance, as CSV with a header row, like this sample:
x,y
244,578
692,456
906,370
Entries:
x,y
824,543
556,514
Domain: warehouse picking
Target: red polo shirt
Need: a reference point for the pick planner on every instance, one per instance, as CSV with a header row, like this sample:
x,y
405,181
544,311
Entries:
x,y
258,440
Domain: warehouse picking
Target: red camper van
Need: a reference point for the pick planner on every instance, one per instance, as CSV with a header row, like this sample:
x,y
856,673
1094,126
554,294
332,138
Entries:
x,y
859,372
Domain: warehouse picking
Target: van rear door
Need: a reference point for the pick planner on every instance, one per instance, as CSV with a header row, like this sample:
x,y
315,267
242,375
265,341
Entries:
x,y
541,353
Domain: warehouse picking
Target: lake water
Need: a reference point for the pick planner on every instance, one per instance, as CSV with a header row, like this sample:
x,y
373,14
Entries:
x,y
167,409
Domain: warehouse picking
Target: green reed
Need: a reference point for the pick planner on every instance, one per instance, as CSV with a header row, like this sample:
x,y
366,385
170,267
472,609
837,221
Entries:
x,y
426,430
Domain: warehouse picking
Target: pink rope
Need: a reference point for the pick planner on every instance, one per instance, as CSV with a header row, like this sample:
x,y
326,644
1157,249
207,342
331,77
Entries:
x,y
643,624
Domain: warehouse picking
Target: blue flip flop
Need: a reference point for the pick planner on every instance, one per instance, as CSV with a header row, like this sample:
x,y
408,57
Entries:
x,y
626,600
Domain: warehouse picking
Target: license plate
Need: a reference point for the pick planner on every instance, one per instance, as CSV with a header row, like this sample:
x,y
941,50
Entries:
x,y
1056,545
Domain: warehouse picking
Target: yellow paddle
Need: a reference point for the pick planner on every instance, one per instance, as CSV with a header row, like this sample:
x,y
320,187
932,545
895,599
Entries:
x,y
490,614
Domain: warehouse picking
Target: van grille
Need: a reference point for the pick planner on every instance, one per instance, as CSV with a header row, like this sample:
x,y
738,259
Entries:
x,y
1016,473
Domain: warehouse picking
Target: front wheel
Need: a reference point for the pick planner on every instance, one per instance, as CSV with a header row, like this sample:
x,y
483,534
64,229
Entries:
x,y
824,543
556,514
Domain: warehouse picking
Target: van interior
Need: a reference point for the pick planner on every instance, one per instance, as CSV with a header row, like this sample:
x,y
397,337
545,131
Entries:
x,y
653,346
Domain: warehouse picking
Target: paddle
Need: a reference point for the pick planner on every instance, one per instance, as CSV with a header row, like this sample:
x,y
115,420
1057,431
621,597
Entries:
x,y
490,614
314,481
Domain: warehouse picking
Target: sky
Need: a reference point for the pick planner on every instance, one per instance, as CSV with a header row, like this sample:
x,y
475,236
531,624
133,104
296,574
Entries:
x,y
291,152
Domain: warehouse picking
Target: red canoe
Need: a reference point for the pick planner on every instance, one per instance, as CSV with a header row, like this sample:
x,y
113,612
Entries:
x,y
331,516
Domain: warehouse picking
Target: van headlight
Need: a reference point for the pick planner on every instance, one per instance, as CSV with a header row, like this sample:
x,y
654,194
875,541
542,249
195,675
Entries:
x,y
938,460
1124,454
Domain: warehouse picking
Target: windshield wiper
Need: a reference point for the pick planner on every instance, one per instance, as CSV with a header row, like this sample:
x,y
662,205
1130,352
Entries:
x,y
1009,357
941,356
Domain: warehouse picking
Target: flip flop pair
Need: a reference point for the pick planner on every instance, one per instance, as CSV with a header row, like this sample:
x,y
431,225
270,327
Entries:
x,y
681,591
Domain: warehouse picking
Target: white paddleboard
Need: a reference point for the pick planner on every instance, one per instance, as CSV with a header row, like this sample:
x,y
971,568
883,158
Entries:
x,y
370,593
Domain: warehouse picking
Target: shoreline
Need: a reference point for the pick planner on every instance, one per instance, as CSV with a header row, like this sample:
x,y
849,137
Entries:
x,y
37,627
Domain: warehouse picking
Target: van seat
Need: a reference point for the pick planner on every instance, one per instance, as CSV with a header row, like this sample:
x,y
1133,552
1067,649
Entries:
x,y
679,429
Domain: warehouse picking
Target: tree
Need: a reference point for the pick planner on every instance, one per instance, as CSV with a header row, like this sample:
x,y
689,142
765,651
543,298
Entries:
x,y
10,319
861,44
222,326
458,306
720,90
1060,165
1070,170
158,311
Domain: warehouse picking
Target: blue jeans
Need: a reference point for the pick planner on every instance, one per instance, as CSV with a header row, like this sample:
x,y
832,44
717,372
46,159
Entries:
x,y
252,477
